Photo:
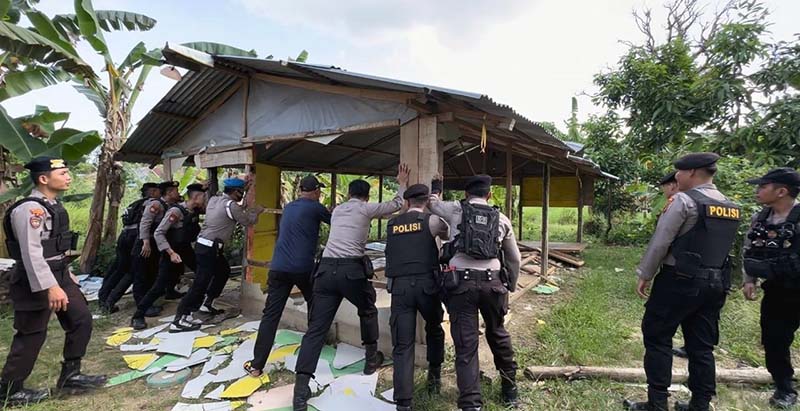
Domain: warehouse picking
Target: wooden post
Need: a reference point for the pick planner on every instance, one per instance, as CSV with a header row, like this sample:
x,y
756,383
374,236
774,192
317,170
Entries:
x,y
580,210
545,211
520,211
213,181
334,195
509,181
419,149
380,200
167,163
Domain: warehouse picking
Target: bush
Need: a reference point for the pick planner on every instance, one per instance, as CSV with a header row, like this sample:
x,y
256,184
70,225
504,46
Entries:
x,y
106,255
630,231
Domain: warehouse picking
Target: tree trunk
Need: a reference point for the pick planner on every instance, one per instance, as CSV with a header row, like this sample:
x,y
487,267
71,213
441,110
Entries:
x,y
116,191
756,376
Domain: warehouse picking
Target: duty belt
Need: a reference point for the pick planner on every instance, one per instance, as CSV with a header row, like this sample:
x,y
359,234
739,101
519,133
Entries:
x,y
209,243
343,260
478,275
131,227
708,274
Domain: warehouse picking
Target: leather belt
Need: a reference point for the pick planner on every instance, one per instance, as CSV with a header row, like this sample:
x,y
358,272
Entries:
x,y
208,243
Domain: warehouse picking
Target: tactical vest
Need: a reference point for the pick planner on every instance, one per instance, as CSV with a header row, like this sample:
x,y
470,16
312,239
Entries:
x,y
61,239
479,231
410,247
133,214
188,232
702,252
774,252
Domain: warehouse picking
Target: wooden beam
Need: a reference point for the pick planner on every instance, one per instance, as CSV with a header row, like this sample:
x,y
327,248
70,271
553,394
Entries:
x,y
364,150
579,236
509,181
545,214
374,94
428,157
370,145
286,150
409,148
212,107
318,133
466,157
228,158
334,191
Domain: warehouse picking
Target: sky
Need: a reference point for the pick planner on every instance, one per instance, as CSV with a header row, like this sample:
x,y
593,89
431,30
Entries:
x,y
533,55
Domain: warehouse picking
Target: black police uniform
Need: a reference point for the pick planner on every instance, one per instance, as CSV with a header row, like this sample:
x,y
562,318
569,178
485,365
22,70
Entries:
x,y
145,269
412,259
169,273
120,276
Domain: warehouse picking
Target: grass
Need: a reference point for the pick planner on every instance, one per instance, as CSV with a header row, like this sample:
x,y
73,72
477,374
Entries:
x,y
593,320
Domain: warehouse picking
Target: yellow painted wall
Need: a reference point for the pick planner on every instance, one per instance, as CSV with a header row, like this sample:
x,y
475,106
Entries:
x,y
261,239
563,192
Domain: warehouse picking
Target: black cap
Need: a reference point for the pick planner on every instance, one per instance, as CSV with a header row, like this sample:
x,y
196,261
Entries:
x,y
310,183
147,186
195,187
417,190
696,160
167,184
479,181
669,178
44,163
781,175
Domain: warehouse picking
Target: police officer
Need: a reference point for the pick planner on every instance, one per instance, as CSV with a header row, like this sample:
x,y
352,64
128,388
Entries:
x,y
292,264
484,268
223,212
37,236
174,237
772,254
120,275
412,259
690,248
145,255
343,273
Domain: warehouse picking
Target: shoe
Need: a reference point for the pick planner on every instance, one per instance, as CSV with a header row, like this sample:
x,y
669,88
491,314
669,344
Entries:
x,y
13,394
153,311
172,294
509,388
71,378
680,352
644,406
695,404
301,392
108,309
138,323
783,400
184,323
471,409
434,384
373,357
210,310
404,408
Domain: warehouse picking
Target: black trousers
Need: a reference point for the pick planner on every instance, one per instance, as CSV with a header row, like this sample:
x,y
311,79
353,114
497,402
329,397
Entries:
x,y
333,282
780,318
145,269
412,294
31,315
210,277
695,307
121,267
490,298
279,287
169,274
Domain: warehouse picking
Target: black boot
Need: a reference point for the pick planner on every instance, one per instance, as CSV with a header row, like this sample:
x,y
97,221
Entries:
x,y
107,309
12,394
374,359
783,400
404,405
509,388
72,379
302,393
656,401
138,323
434,379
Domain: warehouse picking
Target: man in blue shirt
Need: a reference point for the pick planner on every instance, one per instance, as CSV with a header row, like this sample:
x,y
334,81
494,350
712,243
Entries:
x,y
292,264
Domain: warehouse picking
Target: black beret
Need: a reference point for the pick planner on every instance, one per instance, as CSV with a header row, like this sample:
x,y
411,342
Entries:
x,y
167,184
417,190
195,187
781,175
147,186
44,163
479,181
696,160
310,183
669,178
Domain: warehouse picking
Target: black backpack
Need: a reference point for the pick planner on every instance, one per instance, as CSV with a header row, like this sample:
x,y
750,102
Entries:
x,y
133,214
479,231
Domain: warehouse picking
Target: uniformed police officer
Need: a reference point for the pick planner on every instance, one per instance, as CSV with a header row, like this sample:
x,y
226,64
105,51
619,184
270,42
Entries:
x,y
292,264
412,261
343,273
174,237
119,275
484,268
772,254
37,236
145,255
223,212
690,248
